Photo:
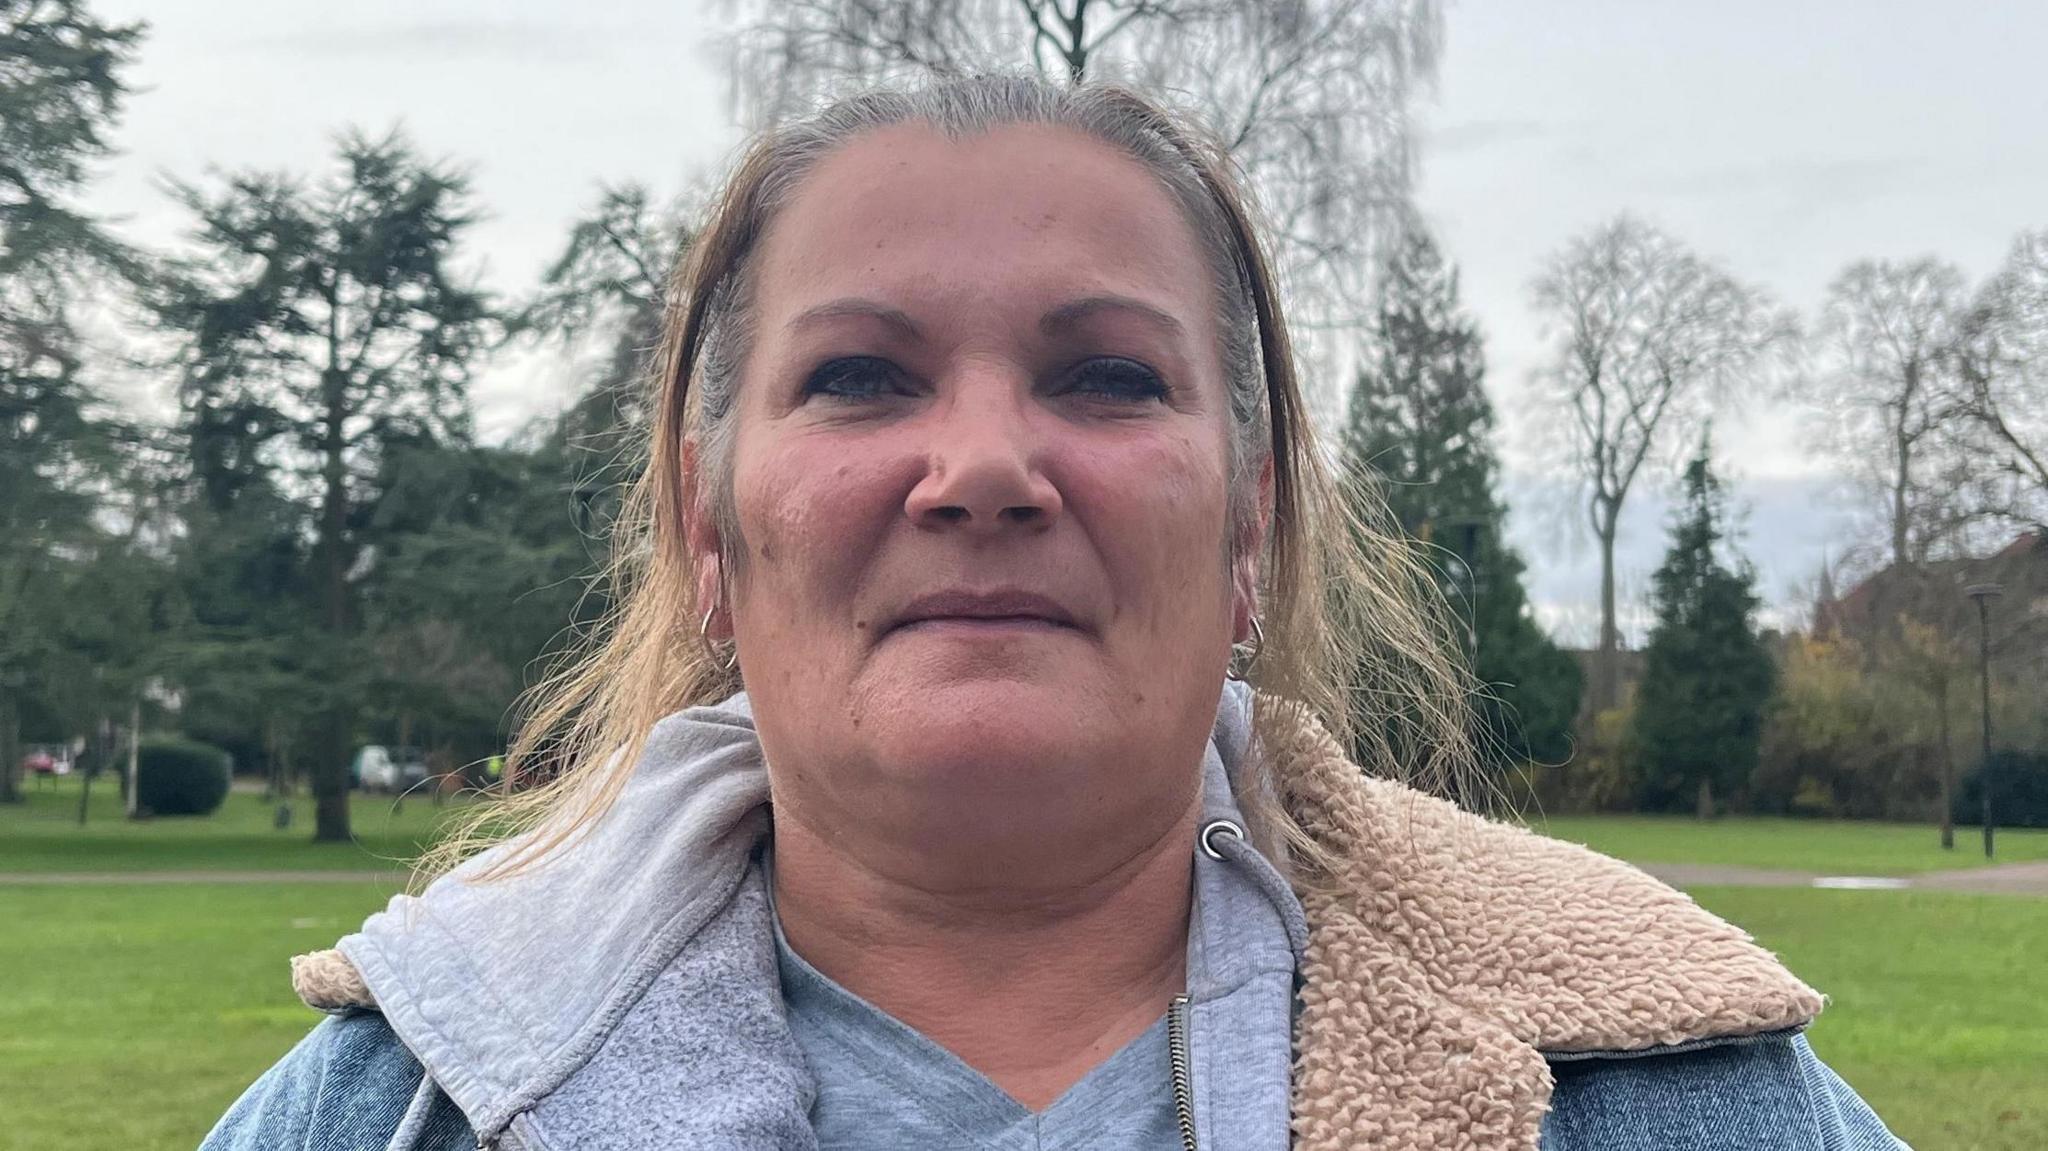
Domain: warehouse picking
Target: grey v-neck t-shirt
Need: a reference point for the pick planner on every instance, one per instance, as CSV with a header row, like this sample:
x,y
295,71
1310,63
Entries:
x,y
882,1085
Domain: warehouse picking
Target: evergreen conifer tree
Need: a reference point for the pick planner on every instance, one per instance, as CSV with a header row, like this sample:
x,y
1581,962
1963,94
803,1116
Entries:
x,y
1418,433
329,316
1707,677
62,82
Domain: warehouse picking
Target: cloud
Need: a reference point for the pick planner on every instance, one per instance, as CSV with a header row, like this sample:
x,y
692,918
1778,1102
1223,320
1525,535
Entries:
x,y
1802,186
440,39
1783,525
1477,135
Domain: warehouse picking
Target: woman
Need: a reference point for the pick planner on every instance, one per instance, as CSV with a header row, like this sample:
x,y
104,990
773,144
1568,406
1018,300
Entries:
x,y
979,459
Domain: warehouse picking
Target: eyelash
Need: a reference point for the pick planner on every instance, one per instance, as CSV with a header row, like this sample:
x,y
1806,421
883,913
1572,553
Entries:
x,y
863,368
1116,378
1135,381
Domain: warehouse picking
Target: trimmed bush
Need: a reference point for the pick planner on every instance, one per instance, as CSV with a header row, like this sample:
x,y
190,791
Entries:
x,y
179,776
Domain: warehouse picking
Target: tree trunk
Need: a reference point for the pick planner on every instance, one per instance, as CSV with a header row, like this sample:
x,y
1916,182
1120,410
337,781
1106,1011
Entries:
x,y
1948,768
1606,663
1902,469
126,773
273,778
330,763
10,744
330,778
99,754
1705,809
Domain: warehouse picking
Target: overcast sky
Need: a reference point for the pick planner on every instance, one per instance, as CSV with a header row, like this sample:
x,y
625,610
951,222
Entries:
x,y
1783,139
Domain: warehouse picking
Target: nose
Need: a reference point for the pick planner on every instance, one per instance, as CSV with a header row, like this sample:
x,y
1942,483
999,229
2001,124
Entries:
x,y
983,473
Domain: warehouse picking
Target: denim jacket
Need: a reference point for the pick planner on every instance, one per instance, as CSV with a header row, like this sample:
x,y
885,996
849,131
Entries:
x,y
1459,983
351,1085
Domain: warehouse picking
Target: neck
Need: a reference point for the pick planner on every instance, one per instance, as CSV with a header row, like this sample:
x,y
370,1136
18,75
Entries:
x,y
1032,984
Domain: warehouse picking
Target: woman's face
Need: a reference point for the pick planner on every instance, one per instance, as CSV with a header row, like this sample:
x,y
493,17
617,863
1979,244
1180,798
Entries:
x,y
981,476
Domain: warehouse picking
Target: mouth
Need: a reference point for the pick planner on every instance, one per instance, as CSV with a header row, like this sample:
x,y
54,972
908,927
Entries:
x,y
1003,610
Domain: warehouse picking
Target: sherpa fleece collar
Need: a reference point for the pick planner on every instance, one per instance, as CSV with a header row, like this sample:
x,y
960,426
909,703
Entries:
x,y
1460,951
1450,956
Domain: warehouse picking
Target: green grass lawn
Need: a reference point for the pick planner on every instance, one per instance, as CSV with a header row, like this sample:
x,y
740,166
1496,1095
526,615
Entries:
x,y
1939,1012
44,835
131,1016
1823,847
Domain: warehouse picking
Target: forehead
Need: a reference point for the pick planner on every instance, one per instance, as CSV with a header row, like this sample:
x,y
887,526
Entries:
x,y
1034,213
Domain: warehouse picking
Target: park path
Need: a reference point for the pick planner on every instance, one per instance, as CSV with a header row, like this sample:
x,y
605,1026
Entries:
x,y
1998,879
2001,879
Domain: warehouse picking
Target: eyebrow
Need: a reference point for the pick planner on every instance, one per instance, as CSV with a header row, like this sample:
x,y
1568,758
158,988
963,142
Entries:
x,y
1067,316
894,318
1055,322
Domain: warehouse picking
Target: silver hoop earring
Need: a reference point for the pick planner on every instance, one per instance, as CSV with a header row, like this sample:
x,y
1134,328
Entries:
x,y
727,661
1252,660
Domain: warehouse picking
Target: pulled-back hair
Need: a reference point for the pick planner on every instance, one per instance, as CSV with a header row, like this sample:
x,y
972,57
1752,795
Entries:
x,y
1351,626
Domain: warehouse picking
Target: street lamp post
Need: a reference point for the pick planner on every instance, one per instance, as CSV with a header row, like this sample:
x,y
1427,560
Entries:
x,y
1984,593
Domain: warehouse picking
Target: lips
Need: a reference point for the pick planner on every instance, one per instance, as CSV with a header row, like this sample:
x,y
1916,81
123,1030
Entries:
x,y
995,606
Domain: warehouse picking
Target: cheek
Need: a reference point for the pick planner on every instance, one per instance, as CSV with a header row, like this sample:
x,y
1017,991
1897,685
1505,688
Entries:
x,y
808,516
1165,513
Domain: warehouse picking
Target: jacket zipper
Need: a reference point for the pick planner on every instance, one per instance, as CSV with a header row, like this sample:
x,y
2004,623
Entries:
x,y
1179,1055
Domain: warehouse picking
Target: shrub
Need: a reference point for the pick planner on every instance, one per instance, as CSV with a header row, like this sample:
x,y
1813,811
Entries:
x,y
178,776
2019,791
1847,738
1601,775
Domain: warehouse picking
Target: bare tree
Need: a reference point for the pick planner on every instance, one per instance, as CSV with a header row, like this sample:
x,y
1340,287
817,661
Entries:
x,y
2004,363
1889,397
1649,338
1311,98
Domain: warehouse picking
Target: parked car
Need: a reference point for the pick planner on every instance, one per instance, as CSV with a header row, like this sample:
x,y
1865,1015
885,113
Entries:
x,y
388,769
46,759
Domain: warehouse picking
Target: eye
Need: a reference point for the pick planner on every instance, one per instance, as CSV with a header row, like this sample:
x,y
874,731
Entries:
x,y
854,378
1115,378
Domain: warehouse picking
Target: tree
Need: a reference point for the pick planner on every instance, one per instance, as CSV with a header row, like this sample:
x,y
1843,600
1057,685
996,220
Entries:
x,y
2004,363
481,573
1891,399
331,314
61,89
1706,676
609,286
245,638
1649,338
1310,97
110,609
1418,434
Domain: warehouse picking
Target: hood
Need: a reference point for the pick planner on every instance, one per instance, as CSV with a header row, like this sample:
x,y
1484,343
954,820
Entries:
x,y
1443,965
505,990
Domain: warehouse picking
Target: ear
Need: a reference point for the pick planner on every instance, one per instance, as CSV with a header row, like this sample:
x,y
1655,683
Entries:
x,y
700,540
1250,551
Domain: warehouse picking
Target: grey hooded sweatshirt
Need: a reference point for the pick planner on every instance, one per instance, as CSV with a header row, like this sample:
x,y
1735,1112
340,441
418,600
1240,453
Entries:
x,y
625,993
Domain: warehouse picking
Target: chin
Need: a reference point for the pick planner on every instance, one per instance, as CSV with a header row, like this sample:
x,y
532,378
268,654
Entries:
x,y
1002,733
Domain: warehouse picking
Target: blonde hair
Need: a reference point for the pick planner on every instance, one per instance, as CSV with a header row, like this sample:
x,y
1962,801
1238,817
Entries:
x,y
1347,610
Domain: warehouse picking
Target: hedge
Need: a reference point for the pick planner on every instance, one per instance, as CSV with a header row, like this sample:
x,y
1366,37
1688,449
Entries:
x,y
179,776
2019,791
